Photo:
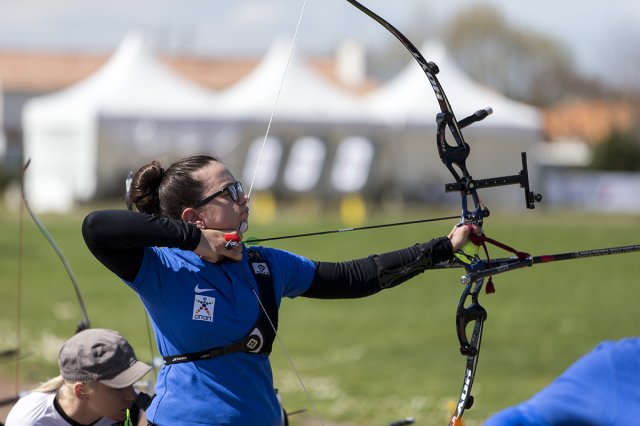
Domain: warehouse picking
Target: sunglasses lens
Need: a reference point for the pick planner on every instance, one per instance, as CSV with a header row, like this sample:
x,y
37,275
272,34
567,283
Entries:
x,y
235,190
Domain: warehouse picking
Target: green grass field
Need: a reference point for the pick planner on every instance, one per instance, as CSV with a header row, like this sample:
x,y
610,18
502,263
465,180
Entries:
x,y
373,360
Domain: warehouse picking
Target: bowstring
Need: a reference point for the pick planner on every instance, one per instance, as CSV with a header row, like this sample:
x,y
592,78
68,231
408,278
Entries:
x,y
19,296
285,352
253,178
275,104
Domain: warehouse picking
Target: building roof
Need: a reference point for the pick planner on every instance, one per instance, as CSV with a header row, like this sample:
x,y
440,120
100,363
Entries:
x,y
588,120
40,72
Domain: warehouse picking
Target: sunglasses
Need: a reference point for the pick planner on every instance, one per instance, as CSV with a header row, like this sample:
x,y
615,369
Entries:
x,y
234,189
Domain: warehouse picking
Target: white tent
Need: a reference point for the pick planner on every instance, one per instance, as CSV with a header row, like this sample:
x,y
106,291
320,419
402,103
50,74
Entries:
x,y
309,112
62,129
303,96
407,106
409,98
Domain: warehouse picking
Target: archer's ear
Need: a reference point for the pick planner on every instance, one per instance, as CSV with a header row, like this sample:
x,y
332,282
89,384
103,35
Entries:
x,y
81,390
189,215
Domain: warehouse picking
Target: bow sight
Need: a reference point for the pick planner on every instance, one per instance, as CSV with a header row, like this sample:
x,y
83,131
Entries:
x,y
458,154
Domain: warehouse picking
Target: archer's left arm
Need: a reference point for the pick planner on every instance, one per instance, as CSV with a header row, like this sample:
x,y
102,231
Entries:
x,y
364,277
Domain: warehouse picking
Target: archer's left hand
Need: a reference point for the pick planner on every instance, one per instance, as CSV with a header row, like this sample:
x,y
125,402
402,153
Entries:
x,y
459,235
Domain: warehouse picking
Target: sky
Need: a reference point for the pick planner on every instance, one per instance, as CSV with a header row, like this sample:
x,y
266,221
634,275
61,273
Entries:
x,y
596,32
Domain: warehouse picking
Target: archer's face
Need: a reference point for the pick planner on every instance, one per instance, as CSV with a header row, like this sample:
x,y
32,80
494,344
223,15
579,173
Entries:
x,y
222,212
110,402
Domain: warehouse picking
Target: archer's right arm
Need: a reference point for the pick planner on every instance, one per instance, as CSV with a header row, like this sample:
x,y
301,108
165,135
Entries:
x,y
117,238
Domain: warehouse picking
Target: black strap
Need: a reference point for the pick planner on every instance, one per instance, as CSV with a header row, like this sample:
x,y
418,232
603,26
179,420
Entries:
x,y
260,339
267,324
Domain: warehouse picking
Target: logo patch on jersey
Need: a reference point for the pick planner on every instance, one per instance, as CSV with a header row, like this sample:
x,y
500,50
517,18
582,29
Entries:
x,y
254,343
203,308
202,290
261,268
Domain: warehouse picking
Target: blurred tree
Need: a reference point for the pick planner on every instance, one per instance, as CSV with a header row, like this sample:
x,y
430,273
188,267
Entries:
x,y
518,62
386,61
618,152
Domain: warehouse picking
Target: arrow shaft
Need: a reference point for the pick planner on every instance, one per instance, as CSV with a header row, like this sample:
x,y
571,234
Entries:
x,y
499,266
252,241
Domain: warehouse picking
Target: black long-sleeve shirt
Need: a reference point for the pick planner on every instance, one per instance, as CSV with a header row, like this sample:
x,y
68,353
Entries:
x,y
117,239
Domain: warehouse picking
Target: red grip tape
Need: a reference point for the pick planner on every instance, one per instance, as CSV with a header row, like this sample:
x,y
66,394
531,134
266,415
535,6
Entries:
x,y
232,237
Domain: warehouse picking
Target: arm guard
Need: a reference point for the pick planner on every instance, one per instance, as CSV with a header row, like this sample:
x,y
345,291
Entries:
x,y
391,272
364,277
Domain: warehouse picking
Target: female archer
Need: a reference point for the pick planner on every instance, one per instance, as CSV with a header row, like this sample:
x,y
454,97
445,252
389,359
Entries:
x,y
214,305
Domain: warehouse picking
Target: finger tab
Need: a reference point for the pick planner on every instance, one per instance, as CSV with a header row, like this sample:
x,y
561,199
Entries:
x,y
232,238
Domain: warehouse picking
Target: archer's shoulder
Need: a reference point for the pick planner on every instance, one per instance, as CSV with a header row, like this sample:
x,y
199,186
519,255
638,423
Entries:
x,y
270,254
33,409
628,346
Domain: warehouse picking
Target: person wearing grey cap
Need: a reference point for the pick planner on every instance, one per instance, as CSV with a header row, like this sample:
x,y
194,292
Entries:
x,y
98,368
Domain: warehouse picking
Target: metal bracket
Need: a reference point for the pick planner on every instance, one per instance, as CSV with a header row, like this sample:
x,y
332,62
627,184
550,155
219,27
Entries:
x,y
522,178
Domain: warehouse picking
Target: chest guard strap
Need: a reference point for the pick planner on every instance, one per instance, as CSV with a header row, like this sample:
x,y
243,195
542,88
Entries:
x,y
260,339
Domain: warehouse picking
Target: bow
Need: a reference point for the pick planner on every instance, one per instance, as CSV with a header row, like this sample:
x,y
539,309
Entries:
x,y
84,320
469,310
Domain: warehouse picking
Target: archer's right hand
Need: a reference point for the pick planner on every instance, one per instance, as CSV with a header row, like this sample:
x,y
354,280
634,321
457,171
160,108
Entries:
x,y
212,246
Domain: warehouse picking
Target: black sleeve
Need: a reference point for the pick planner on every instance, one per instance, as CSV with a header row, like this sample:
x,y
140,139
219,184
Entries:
x,y
117,238
364,277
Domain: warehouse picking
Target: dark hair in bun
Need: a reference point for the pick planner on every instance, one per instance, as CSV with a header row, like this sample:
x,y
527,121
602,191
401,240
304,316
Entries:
x,y
166,193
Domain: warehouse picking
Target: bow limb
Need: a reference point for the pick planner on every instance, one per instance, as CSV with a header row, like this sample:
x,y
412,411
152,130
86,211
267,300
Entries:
x,y
84,321
451,155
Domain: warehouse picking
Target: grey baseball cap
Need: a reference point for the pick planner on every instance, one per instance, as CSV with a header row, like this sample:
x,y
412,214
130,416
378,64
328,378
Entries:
x,y
100,355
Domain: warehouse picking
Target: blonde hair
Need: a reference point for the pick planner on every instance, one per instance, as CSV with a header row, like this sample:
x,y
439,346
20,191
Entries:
x,y
61,386
51,385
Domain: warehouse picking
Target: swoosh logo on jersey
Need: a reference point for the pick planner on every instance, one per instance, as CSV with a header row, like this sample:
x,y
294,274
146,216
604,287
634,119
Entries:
x,y
202,290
